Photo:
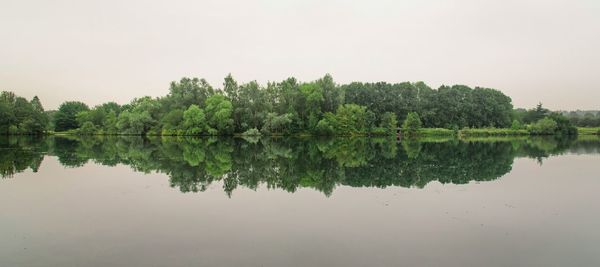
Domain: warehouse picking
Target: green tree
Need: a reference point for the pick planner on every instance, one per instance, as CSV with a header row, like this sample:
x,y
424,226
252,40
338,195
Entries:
x,y
251,108
536,114
65,117
411,125
194,121
186,92
218,115
277,124
310,109
88,128
172,122
328,125
389,122
563,125
351,119
110,125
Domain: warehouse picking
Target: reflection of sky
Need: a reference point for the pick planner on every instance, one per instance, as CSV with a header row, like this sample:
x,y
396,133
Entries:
x,y
98,51
536,215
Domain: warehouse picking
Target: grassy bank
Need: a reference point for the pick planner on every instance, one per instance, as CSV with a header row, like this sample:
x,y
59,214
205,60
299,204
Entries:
x,y
484,132
588,131
424,133
436,132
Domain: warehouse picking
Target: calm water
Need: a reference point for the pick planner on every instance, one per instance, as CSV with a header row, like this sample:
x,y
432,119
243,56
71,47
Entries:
x,y
299,202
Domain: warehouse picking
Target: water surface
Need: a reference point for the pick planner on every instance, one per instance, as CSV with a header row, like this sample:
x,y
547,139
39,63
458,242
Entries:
x,y
118,201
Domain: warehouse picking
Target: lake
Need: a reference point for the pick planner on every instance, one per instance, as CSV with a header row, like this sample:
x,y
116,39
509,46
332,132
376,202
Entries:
x,y
132,201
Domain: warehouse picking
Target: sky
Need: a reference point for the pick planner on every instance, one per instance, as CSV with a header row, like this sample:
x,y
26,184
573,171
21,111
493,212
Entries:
x,y
98,51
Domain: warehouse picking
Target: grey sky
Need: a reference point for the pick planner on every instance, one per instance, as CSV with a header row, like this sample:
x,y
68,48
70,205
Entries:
x,y
98,51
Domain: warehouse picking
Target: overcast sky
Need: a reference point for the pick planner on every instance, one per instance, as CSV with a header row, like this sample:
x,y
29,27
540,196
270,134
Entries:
x,y
99,51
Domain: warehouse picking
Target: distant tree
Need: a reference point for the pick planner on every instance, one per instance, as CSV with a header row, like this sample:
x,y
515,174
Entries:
x,y
218,115
65,117
277,123
563,125
333,95
536,114
251,108
329,125
310,110
172,122
194,121
186,92
351,119
389,122
230,86
110,125
412,124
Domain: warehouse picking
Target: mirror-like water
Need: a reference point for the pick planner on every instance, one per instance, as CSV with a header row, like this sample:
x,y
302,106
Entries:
x,y
130,201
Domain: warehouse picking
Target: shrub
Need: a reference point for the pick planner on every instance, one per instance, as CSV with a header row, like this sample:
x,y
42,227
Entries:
x,y
545,126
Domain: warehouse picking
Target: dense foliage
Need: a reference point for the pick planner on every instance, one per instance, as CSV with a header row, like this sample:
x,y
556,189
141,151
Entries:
x,y
66,118
542,121
20,116
320,107
584,118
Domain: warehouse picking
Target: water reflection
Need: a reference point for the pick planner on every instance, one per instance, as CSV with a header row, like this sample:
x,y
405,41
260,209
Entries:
x,y
192,164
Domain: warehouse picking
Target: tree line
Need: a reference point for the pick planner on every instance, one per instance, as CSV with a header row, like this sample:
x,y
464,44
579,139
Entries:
x,y
584,118
320,107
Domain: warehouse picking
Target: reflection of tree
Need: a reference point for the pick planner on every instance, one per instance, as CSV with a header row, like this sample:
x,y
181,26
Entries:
x,y
192,164
543,147
20,153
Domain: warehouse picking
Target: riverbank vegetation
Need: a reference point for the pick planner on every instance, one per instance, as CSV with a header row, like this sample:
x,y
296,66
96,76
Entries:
x,y
290,107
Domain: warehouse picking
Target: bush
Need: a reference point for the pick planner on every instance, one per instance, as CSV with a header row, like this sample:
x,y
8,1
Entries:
x,y
545,126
